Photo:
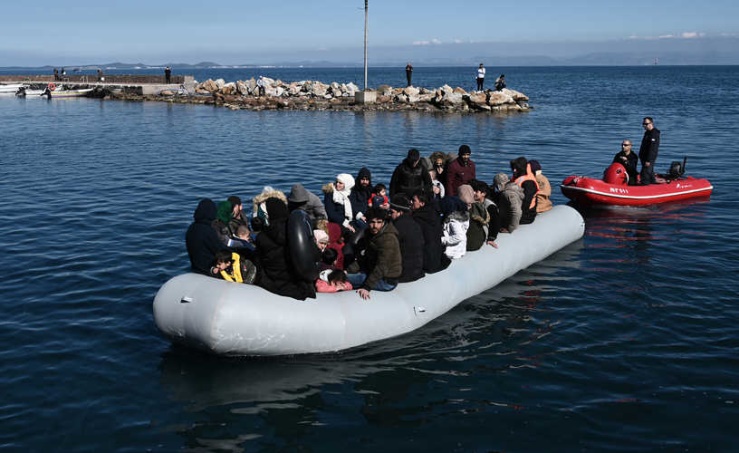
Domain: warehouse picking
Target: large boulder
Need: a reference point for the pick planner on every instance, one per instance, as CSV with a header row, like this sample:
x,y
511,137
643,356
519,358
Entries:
x,y
228,89
384,90
500,98
209,86
242,88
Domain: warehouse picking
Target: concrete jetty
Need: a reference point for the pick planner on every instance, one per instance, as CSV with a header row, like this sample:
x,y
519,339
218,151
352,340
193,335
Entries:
x,y
131,84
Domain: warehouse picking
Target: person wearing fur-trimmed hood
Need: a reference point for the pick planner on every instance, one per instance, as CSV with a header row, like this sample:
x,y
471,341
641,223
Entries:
x,y
276,273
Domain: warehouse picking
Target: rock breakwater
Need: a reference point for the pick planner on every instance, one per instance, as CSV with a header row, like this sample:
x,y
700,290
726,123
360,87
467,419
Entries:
x,y
315,95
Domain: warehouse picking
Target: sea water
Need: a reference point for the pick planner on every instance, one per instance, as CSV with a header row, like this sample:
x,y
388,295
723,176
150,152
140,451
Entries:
x,y
625,341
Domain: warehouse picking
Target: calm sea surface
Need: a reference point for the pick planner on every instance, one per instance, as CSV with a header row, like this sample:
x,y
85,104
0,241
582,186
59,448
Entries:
x,y
625,341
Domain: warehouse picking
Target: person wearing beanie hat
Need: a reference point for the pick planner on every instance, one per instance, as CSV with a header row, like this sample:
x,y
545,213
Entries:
x,y
499,181
336,201
410,175
466,194
276,272
543,201
459,171
321,238
410,237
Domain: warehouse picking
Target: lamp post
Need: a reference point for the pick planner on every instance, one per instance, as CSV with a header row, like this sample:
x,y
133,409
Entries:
x,y
366,14
365,96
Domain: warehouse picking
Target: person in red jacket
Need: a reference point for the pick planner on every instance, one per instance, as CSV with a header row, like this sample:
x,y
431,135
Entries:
x,y
459,171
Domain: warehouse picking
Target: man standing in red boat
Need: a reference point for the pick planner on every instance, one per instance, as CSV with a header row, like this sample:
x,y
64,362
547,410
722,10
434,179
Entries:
x,y
648,150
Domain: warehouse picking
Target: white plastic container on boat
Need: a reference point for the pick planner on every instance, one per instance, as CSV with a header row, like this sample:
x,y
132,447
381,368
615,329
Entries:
x,y
234,319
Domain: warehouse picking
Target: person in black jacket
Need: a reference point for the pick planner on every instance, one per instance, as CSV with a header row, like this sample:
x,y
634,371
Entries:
x,y
410,237
628,159
428,218
360,196
276,272
201,239
648,151
410,176
525,179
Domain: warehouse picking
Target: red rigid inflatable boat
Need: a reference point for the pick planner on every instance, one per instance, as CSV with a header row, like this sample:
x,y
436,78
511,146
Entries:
x,y
613,189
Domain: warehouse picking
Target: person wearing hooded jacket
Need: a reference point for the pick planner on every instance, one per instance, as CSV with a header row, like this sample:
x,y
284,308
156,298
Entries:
x,y
429,219
509,197
410,176
456,224
300,198
360,196
276,272
410,237
201,239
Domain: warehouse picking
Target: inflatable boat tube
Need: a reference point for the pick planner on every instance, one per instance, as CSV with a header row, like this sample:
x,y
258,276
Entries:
x,y
234,319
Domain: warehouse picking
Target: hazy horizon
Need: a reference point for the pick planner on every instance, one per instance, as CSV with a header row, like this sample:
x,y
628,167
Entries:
x,y
424,32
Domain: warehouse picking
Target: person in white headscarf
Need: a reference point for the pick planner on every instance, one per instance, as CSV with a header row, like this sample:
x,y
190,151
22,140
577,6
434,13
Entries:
x,y
336,201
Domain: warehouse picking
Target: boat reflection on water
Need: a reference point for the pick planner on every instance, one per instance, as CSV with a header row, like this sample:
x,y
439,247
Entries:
x,y
626,234
494,327
625,222
232,402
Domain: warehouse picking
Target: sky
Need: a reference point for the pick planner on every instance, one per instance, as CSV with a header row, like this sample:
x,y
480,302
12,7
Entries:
x,y
46,32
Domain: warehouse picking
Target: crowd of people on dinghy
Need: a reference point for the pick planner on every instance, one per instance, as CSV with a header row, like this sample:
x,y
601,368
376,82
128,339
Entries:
x,y
365,236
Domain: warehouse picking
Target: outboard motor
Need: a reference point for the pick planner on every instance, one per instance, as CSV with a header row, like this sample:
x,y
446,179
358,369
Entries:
x,y
677,169
616,174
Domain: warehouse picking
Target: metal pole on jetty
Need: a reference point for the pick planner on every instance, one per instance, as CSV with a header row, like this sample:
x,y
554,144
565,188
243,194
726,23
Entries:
x,y
366,14
365,96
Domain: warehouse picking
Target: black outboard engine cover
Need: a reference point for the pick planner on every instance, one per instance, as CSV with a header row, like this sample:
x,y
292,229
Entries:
x,y
677,169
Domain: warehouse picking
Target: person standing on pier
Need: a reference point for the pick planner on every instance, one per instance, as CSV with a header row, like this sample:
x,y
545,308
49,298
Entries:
x,y
409,73
167,75
480,77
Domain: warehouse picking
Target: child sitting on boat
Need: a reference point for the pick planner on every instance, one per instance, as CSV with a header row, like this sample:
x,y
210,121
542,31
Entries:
x,y
230,267
334,281
379,197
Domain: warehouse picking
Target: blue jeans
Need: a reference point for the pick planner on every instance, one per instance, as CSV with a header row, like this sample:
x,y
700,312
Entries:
x,y
357,280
